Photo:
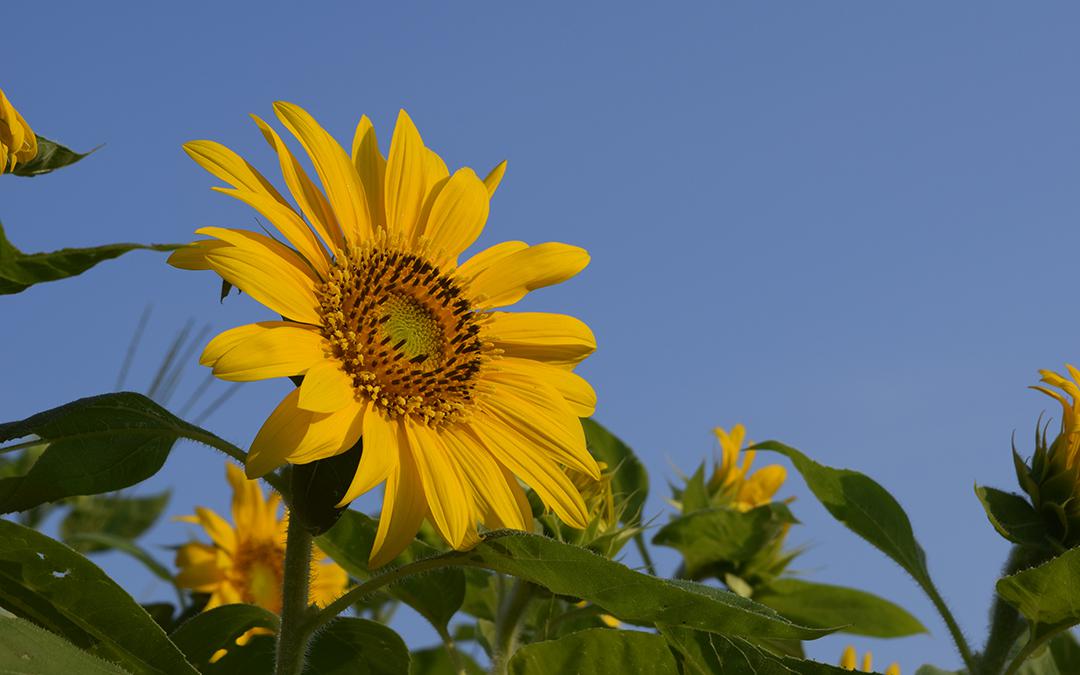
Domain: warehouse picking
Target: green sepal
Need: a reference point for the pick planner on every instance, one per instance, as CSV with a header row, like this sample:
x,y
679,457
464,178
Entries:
x,y
50,157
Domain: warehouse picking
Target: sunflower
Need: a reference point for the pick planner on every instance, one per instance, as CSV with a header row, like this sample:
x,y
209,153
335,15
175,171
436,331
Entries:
x,y
18,144
398,343
744,490
850,658
1069,398
244,563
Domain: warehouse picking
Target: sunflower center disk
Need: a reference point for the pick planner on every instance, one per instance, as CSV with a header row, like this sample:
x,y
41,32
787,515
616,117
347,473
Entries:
x,y
405,332
259,569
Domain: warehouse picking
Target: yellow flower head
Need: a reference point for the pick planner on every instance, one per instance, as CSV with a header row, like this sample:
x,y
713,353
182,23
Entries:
x,y
244,561
850,658
744,490
18,143
397,341
1070,405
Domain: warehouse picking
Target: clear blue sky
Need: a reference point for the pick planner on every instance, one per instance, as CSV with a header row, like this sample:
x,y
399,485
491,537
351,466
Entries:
x,y
850,226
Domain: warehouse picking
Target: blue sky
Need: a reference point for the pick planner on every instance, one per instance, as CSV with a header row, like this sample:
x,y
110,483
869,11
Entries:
x,y
850,226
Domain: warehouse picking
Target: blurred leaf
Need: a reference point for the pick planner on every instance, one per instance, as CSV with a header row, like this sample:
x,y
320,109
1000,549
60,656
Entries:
x,y
824,605
1049,594
46,582
721,535
693,496
116,515
630,483
25,648
934,670
596,651
96,444
630,596
50,157
19,271
107,541
350,646
202,635
435,661
256,656
1062,657
1013,517
708,653
437,596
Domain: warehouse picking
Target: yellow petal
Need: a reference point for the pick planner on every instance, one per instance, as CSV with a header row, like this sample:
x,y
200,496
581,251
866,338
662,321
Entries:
x,y
267,271
577,392
457,215
379,457
193,256
404,508
760,487
557,339
289,223
326,388
221,533
406,182
231,168
330,434
311,200
450,506
492,180
343,188
263,351
371,166
509,279
484,259
485,478
893,669
848,659
280,434
328,582
247,502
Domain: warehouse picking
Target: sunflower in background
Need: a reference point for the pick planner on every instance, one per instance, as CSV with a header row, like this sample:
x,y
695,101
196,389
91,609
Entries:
x,y
850,658
18,143
244,562
734,484
397,341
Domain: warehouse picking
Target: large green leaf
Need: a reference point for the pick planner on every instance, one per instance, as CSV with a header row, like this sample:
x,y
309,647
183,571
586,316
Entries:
x,y
25,648
50,157
630,484
351,646
1061,657
96,444
205,633
1013,517
437,596
19,271
824,605
1048,595
708,653
436,661
597,651
116,515
46,582
630,596
721,535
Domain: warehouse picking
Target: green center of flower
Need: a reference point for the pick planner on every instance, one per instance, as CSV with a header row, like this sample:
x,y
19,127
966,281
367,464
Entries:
x,y
405,332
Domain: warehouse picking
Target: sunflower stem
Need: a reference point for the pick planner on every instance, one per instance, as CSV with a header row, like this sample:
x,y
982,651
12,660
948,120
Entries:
x,y
508,624
1006,624
293,636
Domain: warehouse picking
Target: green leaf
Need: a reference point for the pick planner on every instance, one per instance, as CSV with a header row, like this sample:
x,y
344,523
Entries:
x,y
25,648
1048,594
437,596
630,483
116,515
824,605
46,582
596,651
1062,657
708,653
96,444
351,646
50,157
694,496
19,271
318,486
630,596
720,535
256,656
1013,517
205,633
103,542
436,661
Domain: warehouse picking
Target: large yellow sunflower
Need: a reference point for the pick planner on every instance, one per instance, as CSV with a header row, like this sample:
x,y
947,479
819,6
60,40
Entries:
x,y
18,143
397,341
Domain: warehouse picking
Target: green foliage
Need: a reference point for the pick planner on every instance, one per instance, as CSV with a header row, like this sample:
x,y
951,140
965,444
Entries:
x,y
630,483
713,538
824,605
50,157
112,515
99,541
318,486
96,444
19,271
46,582
436,661
1047,595
358,647
1013,517
205,633
25,648
596,651
705,653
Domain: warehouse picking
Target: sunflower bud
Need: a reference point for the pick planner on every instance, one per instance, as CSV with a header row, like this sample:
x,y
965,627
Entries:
x,y
18,143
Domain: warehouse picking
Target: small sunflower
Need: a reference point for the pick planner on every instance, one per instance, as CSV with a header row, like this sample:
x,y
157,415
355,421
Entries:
x,y
1069,398
745,490
18,143
850,658
244,562
397,341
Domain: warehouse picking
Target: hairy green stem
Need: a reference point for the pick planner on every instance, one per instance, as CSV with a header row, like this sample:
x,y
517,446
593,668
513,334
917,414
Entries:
x,y
950,622
1006,624
293,638
508,624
